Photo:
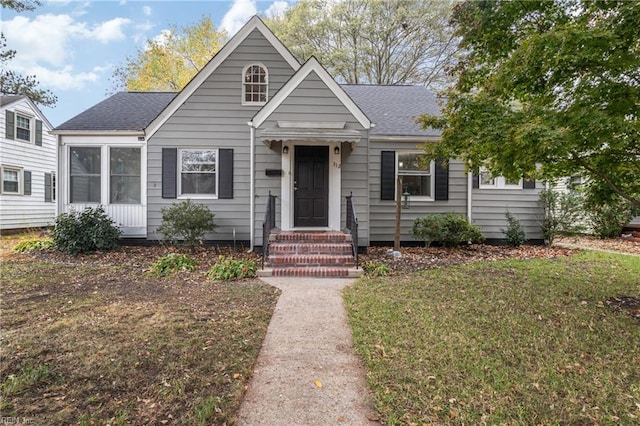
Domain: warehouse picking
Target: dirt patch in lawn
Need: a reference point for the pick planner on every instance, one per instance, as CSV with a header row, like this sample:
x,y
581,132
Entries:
x,y
628,243
96,340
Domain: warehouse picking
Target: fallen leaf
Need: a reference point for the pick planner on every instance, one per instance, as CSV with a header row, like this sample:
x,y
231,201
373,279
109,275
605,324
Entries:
x,y
318,383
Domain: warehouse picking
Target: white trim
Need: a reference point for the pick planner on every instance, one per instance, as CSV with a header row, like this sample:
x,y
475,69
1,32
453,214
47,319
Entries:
x,y
30,117
431,174
252,188
180,195
20,175
109,175
311,124
312,65
255,23
499,182
244,102
469,195
335,186
98,133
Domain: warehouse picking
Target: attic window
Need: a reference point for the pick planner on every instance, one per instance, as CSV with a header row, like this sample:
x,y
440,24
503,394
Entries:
x,y
255,85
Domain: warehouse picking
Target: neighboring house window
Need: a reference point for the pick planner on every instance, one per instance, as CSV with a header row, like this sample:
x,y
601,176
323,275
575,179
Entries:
x,y
498,182
23,128
198,172
11,179
124,179
85,175
255,85
417,174
49,187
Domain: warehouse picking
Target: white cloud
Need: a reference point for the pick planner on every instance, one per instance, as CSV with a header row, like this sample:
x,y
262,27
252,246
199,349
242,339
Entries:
x,y
64,78
110,30
238,15
146,10
277,8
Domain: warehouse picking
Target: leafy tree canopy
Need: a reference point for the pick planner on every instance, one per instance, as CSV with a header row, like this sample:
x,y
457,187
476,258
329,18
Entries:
x,y
548,89
371,41
169,62
11,82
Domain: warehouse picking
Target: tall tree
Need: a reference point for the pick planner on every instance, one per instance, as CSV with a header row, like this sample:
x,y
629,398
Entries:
x,y
372,41
549,89
168,62
11,82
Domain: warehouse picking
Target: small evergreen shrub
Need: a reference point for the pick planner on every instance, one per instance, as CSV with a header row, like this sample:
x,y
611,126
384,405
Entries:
x,y
172,263
376,269
449,229
33,245
187,222
608,220
514,234
231,269
85,231
563,214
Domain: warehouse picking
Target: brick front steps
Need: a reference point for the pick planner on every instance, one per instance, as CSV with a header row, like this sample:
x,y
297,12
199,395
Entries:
x,y
310,254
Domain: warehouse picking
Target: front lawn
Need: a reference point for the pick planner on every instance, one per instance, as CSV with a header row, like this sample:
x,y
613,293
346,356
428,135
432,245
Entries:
x,y
101,342
507,342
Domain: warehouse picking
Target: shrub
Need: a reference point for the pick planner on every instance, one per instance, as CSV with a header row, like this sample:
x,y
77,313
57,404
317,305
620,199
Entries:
x,y
172,263
85,232
33,245
187,222
428,228
514,234
230,269
376,269
563,214
607,220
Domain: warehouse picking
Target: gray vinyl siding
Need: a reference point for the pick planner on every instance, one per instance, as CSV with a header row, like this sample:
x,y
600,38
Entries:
x,y
383,212
313,101
214,117
490,206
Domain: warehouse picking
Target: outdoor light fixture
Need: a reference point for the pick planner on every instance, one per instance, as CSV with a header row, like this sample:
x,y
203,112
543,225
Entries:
x,y
406,198
285,149
336,150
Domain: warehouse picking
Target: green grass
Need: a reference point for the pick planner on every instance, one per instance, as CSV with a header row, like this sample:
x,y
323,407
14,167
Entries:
x,y
510,342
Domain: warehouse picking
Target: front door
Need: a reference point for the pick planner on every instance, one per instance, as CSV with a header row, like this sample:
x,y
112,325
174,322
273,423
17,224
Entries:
x,y
311,186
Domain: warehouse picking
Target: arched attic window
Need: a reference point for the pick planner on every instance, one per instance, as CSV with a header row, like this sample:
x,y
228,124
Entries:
x,y
255,85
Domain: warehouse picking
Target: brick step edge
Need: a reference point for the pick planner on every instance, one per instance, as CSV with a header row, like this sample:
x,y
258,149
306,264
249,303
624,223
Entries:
x,y
311,272
307,260
310,237
311,248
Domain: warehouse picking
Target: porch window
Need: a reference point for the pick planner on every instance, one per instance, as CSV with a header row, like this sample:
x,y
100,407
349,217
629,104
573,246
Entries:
x,y
255,85
198,172
417,174
84,175
11,180
23,128
124,176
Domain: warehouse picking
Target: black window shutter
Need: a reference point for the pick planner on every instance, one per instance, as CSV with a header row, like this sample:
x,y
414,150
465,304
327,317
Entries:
x,y
225,174
388,175
442,179
26,175
528,183
38,132
169,172
475,179
47,188
10,125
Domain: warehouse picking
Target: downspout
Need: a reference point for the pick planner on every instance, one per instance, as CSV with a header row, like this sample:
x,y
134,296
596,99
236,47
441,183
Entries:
x,y
251,185
469,192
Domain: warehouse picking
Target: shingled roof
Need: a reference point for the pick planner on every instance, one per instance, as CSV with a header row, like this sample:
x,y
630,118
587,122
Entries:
x,y
122,111
394,109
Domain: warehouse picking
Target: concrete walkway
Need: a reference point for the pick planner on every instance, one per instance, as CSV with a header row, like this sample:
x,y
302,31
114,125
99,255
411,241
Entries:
x,y
307,372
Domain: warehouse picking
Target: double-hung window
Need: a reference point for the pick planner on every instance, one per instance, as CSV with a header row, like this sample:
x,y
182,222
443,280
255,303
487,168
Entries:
x,y
255,85
85,179
198,172
124,176
417,174
23,128
498,182
11,177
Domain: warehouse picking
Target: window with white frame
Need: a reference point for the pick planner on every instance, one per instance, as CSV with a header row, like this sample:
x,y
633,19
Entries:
x,y
497,182
11,180
124,175
255,86
23,127
84,176
417,174
198,172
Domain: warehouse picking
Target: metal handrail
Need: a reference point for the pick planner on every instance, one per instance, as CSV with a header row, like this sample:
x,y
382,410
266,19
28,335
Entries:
x,y
268,225
352,226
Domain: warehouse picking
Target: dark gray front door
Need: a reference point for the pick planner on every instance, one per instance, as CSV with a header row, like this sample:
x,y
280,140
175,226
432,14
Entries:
x,y
311,186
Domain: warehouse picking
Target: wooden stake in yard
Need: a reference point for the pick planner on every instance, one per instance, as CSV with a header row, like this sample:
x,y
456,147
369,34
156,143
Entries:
x,y
396,239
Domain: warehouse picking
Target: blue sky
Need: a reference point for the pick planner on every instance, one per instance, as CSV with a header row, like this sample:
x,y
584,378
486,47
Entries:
x,y
72,46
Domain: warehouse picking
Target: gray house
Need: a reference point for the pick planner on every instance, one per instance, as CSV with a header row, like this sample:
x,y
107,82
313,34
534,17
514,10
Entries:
x,y
254,123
